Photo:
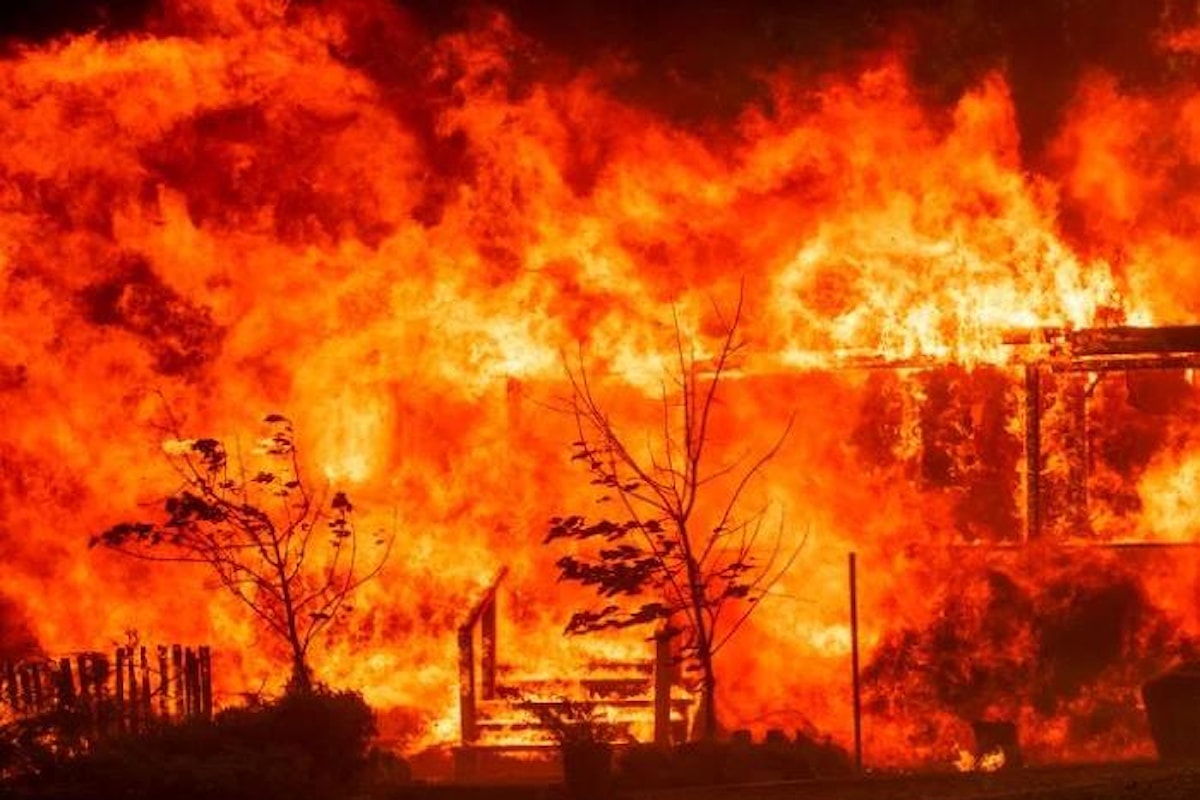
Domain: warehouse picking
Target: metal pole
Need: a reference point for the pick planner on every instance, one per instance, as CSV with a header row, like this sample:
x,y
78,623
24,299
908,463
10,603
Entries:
x,y
854,662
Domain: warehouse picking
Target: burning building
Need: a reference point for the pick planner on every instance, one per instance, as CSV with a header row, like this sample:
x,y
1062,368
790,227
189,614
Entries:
x,y
393,230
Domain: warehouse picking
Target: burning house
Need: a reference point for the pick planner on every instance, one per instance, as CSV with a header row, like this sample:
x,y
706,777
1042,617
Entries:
x,y
396,228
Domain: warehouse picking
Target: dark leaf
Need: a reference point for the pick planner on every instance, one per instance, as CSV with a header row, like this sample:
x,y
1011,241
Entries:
x,y
341,503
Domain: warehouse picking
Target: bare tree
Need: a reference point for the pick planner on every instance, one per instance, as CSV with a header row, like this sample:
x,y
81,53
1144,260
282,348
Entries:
x,y
684,554
290,554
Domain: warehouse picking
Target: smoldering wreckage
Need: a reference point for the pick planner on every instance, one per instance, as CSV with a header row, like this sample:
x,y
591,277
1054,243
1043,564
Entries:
x,y
401,236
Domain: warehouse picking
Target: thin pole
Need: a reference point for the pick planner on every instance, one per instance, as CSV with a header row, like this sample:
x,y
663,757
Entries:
x,y
854,662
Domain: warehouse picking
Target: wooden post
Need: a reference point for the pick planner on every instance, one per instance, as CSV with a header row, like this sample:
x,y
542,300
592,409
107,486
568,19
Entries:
x,y
134,704
164,683
1033,452
35,688
26,687
64,685
147,703
469,732
177,679
120,689
854,662
10,682
98,667
192,680
86,693
85,689
206,699
487,665
1077,454
662,689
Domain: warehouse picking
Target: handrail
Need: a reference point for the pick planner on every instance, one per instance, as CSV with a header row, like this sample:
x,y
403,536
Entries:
x,y
488,597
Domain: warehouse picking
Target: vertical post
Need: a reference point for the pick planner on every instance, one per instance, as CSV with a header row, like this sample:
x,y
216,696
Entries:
x,y
662,689
98,674
177,680
192,682
206,701
85,689
466,684
65,685
1033,452
120,689
10,682
857,689
1077,454
147,703
35,687
135,702
164,683
27,691
487,659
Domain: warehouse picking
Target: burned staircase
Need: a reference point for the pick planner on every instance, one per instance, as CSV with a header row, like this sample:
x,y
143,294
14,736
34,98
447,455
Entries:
x,y
501,706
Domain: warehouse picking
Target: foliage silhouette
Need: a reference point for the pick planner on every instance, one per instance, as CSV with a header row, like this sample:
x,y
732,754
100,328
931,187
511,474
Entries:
x,y
290,554
698,575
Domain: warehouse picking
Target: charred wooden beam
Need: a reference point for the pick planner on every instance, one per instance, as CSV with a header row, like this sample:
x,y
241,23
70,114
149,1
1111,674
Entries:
x,y
1078,454
1125,364
469,731
64,685
11,685
487,659
483,614
1033,452
489,597
1127,340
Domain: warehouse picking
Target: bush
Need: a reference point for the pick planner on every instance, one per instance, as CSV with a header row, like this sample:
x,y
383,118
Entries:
x,y
303,747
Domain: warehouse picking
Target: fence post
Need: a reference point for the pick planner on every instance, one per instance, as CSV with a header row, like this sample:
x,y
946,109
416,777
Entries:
x,y
177,679
164,683
120,689
206,701
147,704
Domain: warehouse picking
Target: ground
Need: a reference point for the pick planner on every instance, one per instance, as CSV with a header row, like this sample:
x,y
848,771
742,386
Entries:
x,y
1129,781
1124,781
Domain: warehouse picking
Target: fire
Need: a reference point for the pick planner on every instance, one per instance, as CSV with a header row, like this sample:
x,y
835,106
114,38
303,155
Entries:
x,y
259,209
991,761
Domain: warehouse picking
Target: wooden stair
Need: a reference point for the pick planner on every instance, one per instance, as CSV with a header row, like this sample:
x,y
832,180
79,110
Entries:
x,y
500,727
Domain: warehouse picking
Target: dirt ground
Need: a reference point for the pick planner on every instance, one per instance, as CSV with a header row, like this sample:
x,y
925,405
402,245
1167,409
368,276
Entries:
x,y
1138,781
1123,781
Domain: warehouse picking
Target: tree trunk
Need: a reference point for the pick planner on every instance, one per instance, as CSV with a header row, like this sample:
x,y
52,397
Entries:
x,y
706,715
301,680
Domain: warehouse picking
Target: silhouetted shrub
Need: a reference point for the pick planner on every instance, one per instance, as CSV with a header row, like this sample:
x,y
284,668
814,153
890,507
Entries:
x,y
312,746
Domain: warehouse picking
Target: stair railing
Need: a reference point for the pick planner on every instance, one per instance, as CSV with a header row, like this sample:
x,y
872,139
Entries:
x,y
483,616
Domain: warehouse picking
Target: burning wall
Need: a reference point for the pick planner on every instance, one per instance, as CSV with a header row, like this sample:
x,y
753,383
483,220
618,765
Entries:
x,y
392,237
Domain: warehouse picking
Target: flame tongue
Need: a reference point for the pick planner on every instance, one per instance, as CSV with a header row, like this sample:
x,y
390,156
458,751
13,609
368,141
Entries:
x,y
261,207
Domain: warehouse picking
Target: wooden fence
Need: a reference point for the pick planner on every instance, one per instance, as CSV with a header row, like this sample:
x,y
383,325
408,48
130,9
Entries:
x,y
137,687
